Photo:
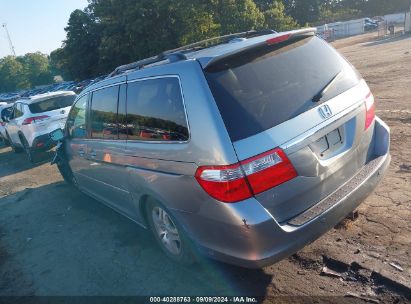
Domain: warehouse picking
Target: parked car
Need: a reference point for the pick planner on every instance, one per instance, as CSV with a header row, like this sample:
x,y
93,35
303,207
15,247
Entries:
x,y
245,151
370,24
5,111
33,118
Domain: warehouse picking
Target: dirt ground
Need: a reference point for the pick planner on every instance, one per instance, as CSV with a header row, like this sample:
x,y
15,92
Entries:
x,y
57,241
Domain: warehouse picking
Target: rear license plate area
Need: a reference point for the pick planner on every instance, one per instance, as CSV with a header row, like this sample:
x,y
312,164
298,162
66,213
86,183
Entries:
x,y
328,143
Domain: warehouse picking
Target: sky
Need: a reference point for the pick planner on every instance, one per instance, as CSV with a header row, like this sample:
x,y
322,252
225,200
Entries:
x,y
35,25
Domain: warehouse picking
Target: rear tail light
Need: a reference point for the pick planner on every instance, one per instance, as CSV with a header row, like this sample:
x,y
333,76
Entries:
x,y
2,123
35,119
268,170
240,181
370,110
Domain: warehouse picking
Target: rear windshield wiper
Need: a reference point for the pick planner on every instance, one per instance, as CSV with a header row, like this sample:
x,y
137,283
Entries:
x,y
324,90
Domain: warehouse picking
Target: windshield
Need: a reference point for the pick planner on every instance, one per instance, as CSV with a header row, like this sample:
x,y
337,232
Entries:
x,y
262,88
52,104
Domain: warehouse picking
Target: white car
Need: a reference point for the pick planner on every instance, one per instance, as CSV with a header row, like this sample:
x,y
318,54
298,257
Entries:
x,y
34,118
5,111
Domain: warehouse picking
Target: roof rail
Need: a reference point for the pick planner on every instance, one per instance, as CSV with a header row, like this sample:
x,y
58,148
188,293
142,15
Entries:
x,y
141,63
226,38
177,54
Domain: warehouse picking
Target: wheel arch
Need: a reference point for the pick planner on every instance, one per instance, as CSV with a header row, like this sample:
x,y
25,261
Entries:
x,y
142,208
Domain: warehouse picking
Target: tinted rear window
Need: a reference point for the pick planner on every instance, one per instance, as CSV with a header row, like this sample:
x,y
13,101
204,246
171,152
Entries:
x,y
52,104
262,88
104,113
155,110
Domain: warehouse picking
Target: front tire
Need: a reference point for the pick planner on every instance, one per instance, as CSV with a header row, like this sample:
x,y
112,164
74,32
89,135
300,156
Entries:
x,y
5,141
13,147
169,234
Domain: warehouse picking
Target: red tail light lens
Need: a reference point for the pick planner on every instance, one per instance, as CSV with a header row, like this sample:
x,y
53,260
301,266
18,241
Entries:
x,y
252,176
268,170
370,110
278,39
2,123
34,119
224,183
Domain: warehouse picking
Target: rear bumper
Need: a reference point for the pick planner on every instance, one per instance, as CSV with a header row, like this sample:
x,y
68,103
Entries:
x,y
246,234
292,238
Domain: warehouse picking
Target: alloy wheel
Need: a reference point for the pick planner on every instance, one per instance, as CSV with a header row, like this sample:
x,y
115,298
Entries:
x,y
166,230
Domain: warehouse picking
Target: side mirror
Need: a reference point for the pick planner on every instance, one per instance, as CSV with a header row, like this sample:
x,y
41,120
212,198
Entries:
x,y
57,135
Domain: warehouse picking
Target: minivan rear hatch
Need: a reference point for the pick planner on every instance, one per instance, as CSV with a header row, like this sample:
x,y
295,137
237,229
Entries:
x,y
297,93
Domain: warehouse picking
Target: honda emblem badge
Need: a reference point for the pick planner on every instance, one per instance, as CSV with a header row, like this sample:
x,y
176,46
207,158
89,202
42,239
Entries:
x,y
325,111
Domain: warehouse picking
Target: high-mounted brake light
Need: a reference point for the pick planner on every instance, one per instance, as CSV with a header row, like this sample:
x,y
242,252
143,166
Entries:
x,y
240,181
370,110
35,119
278,39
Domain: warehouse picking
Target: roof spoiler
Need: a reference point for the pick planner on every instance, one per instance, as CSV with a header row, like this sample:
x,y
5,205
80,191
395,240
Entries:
x,y
174,55
273,39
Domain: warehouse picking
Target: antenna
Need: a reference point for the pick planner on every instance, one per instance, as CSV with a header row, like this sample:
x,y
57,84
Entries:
x,y
9,39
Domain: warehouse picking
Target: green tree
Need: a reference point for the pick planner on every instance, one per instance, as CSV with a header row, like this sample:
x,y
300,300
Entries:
x,y
238,16
79,54
276,19
36,68
12,75
328,15
59,63
304,11
382,7
110,33
24,72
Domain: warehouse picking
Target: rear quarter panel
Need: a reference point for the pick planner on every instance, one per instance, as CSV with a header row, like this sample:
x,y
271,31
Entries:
x,y
165,170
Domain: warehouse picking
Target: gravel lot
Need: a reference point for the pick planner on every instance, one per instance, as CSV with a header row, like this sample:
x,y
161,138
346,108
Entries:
x,y
57,241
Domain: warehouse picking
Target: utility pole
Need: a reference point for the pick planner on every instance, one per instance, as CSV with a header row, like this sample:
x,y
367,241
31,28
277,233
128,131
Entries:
x,y
8,37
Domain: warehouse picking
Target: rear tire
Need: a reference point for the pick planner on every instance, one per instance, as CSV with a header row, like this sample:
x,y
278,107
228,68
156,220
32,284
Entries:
x,y
32,156
169,234
67,174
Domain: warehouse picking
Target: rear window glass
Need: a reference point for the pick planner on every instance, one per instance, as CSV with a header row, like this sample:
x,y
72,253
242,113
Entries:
x,y
104,113
52,104
155,110
259,89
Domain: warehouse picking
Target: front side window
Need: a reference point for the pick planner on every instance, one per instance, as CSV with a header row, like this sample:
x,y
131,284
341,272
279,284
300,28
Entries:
x,y
76,121
18,110
104,113
155,110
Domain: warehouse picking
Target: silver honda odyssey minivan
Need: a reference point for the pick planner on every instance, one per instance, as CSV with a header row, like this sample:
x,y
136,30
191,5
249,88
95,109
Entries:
x,y
244,148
